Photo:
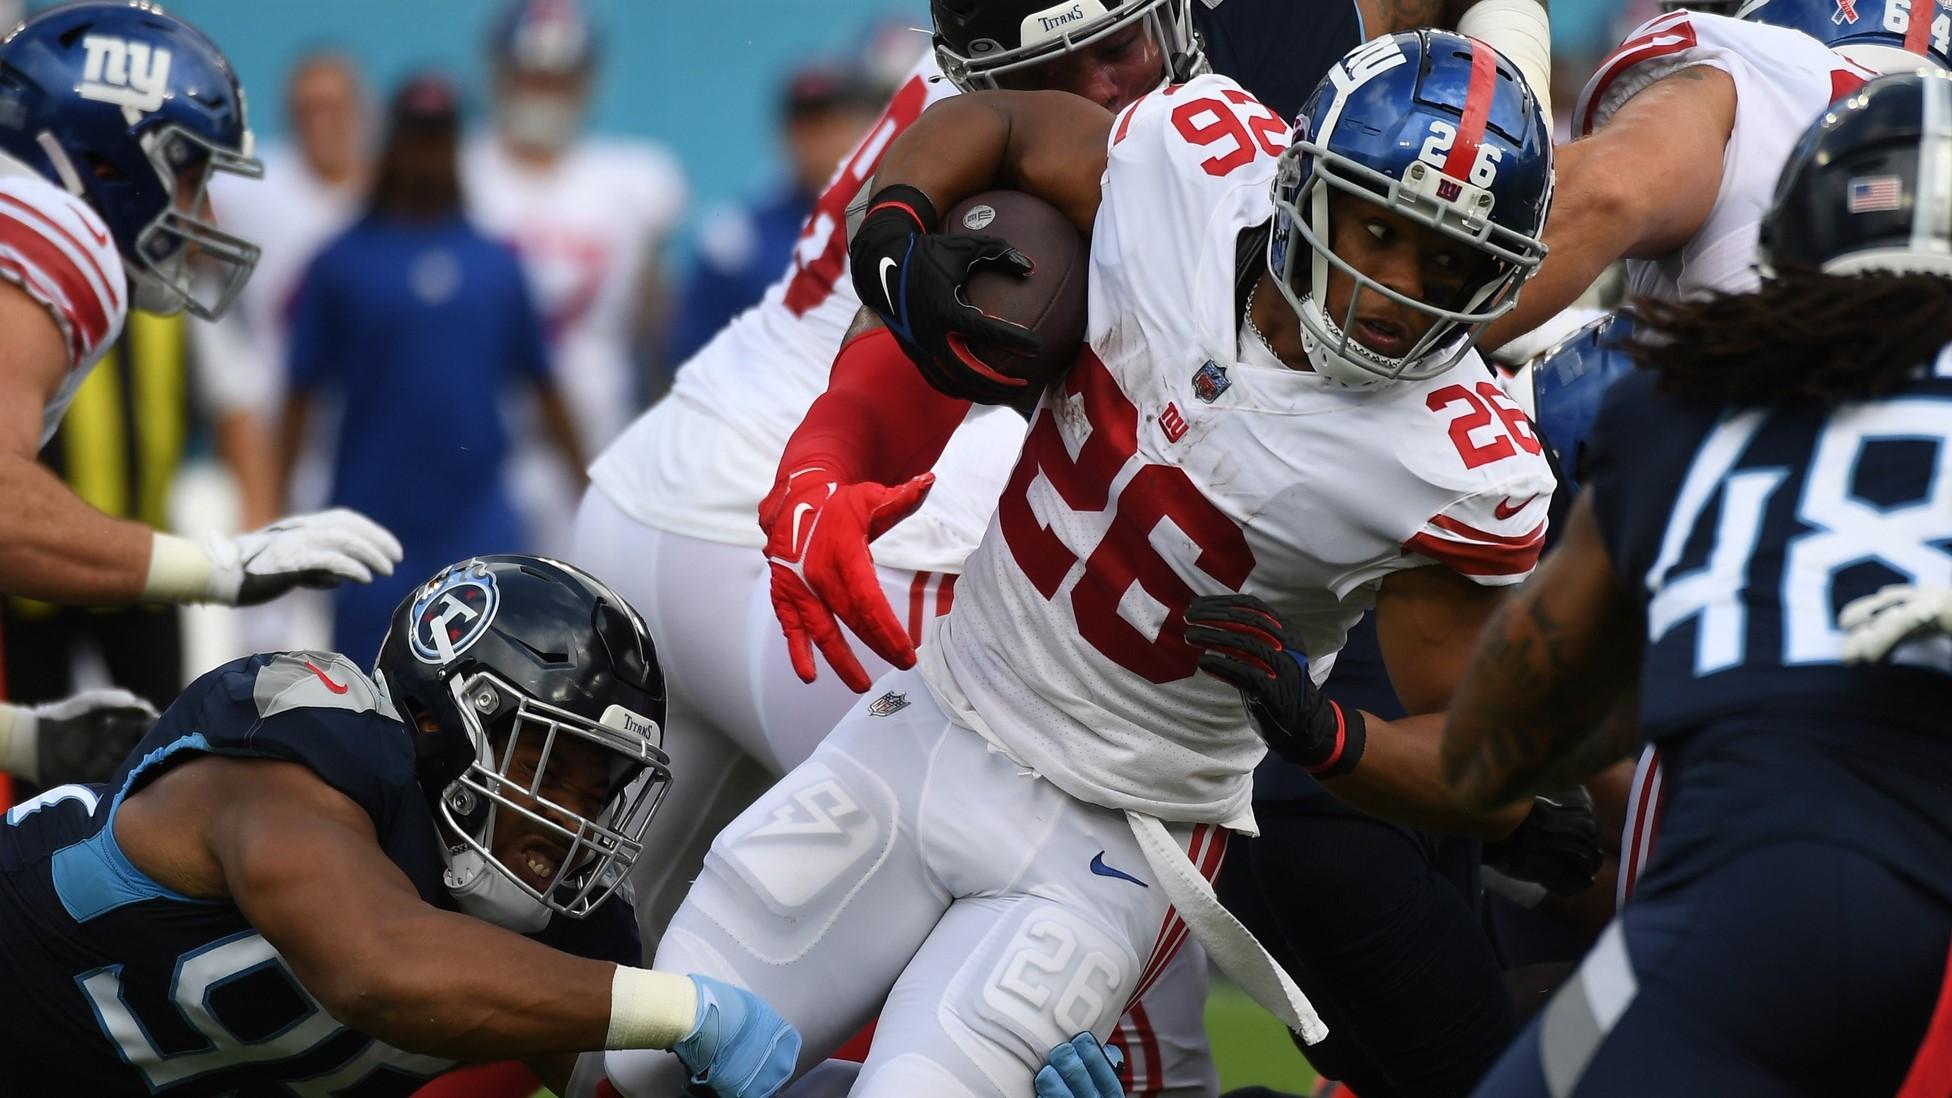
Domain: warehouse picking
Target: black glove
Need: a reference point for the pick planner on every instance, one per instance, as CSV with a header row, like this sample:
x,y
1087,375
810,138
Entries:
x,y
1243,642
86,737
1558,845
911,277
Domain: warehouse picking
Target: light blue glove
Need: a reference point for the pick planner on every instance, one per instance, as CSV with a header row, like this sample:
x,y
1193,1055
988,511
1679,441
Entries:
x,y
1081,1068
738,1047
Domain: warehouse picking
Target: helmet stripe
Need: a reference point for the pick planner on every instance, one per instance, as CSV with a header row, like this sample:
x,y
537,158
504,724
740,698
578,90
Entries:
x,y
1477,108
1918,30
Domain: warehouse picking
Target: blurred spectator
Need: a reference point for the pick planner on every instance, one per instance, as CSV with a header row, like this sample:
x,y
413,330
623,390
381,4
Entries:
x,y
742,249
119,447
589,218
420,324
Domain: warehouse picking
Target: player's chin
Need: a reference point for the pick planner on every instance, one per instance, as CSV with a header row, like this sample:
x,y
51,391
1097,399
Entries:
x,y
1387,337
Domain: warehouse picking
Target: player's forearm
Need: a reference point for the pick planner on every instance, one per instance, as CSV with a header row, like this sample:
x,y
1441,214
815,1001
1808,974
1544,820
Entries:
x,y
1401,777
1050,144
54,546
1593,222
250,455
879,420
561,429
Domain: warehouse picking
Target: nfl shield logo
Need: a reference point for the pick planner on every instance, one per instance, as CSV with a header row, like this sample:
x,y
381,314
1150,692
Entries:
x,y
887,705
1209,381
452,612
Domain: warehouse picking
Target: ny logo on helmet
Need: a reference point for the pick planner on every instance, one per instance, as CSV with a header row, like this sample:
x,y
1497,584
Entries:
x,y
453,611
132,75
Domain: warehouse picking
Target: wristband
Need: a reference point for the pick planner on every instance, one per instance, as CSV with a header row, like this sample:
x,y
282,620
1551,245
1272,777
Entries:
x,y
179,571
1351,736
19,741
650,1009
911,201
1520,30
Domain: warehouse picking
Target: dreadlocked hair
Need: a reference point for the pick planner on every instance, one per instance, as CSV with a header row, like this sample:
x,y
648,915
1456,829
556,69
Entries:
x,y
1803,338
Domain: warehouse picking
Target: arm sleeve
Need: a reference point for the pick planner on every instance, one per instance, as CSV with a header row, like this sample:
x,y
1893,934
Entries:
x,y
1490,538
60,253
878,420
528,344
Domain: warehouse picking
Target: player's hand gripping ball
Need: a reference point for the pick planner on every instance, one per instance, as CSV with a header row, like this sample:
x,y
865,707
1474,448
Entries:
x,y
1557,846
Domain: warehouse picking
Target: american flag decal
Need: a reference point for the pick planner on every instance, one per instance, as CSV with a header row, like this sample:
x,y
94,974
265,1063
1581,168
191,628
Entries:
x,y
1874,194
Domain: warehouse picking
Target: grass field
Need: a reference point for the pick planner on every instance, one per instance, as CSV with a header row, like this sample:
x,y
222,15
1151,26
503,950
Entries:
x,y
1250,1046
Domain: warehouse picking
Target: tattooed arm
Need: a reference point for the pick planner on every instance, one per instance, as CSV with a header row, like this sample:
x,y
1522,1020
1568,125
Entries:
x,y
1548,697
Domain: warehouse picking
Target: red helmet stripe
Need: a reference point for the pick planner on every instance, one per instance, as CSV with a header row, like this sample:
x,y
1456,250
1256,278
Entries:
x,y
1918,31
1477,108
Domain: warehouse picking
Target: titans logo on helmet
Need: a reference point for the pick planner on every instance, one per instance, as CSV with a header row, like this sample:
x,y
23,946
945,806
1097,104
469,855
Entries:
x,y
452,612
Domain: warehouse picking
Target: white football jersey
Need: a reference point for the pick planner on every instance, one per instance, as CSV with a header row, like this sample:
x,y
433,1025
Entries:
x,y
584,228
1181,458
58,249
699,462
1783,81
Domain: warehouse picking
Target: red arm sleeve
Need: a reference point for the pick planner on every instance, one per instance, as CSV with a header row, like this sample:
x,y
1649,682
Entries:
x,y
878,421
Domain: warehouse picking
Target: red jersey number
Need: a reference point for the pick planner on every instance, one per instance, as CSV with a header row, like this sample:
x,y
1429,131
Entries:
x,y
1479,407
1125,554
821,254
1209,121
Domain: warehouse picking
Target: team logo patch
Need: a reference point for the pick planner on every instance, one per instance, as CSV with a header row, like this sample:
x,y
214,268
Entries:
x,y
887,705
978,217
131,75
1209,381
1846,12
452,612
1875,194
1449,189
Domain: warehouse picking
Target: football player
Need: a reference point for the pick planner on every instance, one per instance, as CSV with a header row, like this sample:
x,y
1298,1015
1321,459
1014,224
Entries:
x,y
1810,437
116,118
1019,833
311,877
1684,129
590,217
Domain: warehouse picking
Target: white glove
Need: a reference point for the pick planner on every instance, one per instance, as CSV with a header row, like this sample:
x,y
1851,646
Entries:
x,y
83,738
1881,622
316,550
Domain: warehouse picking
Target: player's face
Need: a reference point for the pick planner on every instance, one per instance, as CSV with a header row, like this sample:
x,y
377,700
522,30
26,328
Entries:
x,y
1112,72
1412,259
577,778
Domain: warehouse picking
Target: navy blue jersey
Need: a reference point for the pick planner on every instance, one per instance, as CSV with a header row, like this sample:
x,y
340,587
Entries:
x,y
116,985
1743,533
1278,49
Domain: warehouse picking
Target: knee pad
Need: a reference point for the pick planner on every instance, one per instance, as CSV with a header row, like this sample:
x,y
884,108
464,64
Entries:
x,y
802,851
1038,977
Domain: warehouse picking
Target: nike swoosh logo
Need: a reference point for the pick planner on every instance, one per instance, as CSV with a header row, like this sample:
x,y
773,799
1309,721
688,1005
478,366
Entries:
x,y
799,512
335,687
1099,867
1507,508
887,288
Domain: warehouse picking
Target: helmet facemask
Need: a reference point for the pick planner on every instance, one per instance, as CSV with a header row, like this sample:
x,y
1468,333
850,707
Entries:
x,y
182,260
1169,24
584,858
1308,176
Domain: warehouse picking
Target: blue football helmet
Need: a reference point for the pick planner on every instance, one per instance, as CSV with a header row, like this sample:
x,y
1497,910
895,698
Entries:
x,y
1568,383
1439,129
133,111
1884,36
553,36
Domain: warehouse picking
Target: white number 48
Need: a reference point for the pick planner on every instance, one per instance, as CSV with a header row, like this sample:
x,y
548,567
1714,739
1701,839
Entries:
x,y
1484,170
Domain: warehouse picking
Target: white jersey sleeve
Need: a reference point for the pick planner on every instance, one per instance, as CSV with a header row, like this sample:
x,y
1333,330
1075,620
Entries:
x,y
1783,81
57,249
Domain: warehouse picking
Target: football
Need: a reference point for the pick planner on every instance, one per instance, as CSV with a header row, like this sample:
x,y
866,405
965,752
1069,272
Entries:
x,y
1050,302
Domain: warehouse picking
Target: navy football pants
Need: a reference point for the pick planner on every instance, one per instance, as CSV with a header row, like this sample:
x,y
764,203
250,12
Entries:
x,y
1795,969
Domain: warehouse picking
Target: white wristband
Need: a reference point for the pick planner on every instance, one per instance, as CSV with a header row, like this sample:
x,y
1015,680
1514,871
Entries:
x,y
179,570
1520,30
19,741
650,1009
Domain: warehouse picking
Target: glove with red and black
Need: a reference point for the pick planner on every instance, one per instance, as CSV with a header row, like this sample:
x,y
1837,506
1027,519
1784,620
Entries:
x,y
818,525
912,278
1242,641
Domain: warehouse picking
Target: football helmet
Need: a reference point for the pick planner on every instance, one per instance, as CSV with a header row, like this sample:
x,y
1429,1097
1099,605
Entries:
x,y
1439,129
977,41
134,110
501,651
552,36
1882,35
1568,383
1868,187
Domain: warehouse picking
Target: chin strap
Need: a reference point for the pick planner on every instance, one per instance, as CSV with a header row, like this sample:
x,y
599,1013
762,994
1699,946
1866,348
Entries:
x,y
484,890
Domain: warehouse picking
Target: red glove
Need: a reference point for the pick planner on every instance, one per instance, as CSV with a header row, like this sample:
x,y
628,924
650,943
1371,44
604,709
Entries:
x,y
817,531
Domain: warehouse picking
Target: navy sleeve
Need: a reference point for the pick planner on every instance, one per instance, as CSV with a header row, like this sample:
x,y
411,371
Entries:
x,y
528,342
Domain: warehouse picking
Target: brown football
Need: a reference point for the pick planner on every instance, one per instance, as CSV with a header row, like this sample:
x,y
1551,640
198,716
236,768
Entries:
x,y
1050,302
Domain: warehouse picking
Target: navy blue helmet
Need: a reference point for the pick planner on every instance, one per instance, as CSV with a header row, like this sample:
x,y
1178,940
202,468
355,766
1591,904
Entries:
x,y
1884,36
134,110
1442,130
1570,380
1867,188
501,651
553,36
